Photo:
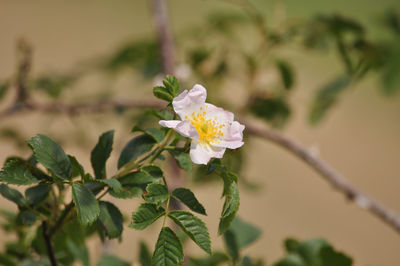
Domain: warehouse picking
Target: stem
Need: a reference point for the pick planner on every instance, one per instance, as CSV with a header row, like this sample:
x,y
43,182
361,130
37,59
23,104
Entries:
x,y
60,220
166,209
49,246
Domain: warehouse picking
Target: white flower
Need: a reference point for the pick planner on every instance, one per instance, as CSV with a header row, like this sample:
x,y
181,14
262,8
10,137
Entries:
x,y
212,129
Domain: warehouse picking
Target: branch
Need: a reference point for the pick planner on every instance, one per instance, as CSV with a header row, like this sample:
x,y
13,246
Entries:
x,y
49,246
164,36
330,174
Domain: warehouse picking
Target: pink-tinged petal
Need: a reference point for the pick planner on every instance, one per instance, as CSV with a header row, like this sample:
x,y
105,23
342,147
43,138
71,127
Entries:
x,y
190,101
202,153
233,136
222,115
182,127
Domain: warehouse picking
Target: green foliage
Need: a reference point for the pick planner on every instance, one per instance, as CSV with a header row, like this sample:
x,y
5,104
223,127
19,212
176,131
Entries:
x,y
313,252
193,227
4,85
168,250
162,93
156,193
136,147
54,84
86,204
144,255
245,233
231,204
111,219
37,194
170,89
216,258
183,160
16,173
12,195
112,183
187,197
51,156
275,110
157,134
145,215
110,260
100,154
326,97
286,73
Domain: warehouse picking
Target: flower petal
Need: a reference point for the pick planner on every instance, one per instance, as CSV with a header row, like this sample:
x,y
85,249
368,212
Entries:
x,y
182,127
202,153
190,101
233,136
222,115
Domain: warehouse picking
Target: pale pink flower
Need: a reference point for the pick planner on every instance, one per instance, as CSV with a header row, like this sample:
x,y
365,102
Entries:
x,y
212,129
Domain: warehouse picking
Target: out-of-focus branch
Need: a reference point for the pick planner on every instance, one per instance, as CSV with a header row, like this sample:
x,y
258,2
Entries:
x,y
164,36
24,54
337,180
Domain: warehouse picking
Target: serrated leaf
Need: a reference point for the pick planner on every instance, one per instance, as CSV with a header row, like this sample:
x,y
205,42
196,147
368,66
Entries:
x,y
193,227
144,255
37,194
286,72
16,173
187,197
111,219
136,147
171,83
156,193
112,183
155,133
145,215
51,156
12,195
183,160
86,204
152,170
127,192
101,153
168,250
245,233
77,168
162,93
231,204
110,260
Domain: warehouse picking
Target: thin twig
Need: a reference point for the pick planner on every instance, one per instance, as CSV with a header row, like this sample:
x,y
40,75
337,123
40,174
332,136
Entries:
x,y
337,180
49,246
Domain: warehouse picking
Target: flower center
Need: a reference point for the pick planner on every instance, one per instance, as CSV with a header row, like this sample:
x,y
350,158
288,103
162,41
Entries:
x,y
209,129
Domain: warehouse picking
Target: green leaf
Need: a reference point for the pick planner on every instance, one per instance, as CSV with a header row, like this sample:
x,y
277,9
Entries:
x,y
183,160
172,85
162,93
100,154
37,194
330,257
326,97
145,215
111,219
80,252
155,133
245,233
193,227
291,260
136,147
4,85
156,193
16,173
144,255
231,204
110,260
217,258
152,170
188,198
112,183
127,192
51,156
231,244
168,250
86,204
26,217
12,195
291,245
286,73
274,110
77,168
309,250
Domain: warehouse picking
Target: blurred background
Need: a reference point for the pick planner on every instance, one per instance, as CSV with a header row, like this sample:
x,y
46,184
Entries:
x,y
98,50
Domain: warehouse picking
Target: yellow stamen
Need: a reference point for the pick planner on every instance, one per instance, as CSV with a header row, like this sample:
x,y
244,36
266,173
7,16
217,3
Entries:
x,y
209,129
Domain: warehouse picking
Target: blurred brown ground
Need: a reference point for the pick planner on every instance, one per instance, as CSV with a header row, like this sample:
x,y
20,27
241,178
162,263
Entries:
x,y
360,137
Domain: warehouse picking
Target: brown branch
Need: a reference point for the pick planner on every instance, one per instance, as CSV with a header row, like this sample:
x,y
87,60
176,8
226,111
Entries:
x,y
164,36
24,53
49,246
330,174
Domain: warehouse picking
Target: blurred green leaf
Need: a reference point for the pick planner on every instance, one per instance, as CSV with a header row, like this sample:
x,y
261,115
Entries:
x,y
136,147
26,217
245,233
326,97
86,204
144,254
54,84
110,260
291,245
286,73
101,153
16,173
12,195
37,194
111,219
274,110
231,245
51,156
217,258
4,85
